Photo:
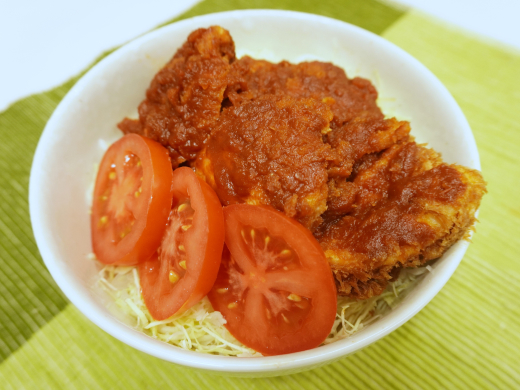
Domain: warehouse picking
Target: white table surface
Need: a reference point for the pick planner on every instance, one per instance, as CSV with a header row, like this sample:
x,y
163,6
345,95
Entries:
x,y
44,43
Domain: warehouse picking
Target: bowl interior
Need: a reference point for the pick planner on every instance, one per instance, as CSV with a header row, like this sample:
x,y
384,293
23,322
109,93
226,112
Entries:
x,y
73,143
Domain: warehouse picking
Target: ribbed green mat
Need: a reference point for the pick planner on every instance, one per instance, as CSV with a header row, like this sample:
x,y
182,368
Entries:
x,y
468,337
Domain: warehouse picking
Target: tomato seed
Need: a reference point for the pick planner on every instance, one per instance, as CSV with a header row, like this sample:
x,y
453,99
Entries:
x,y
222,290
294,297
185,227
182,264
285,253
285,319
253,233
232,305
181,248
112,175
174,277
182,207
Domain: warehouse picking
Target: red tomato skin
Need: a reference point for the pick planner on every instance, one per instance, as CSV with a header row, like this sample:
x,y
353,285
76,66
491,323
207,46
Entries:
x,y
133,250
204,243
259,337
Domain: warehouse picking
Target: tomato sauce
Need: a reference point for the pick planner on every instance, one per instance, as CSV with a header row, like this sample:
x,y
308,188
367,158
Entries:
x,y
184,99
270,151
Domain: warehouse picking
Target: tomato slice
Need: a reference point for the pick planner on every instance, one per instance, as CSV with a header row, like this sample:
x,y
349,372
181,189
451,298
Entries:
x,y
132,201
274,287
187,262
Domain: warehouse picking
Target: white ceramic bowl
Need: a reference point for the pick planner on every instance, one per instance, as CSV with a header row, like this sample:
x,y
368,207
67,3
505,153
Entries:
x,y
69,148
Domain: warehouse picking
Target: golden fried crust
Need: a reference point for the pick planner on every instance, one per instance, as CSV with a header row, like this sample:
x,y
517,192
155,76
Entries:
x,y
184,99
461,215
409,208
270,151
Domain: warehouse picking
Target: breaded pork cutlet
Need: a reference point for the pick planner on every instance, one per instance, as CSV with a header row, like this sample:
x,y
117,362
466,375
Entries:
x,y
322,81
270,151
408,208
309,141
184,99
358,126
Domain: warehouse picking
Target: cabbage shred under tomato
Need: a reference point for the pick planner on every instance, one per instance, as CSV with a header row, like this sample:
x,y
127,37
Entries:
x,y
201,329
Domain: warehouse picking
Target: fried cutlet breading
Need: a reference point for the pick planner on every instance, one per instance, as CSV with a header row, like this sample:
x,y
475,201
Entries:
x,y
361,136
366,182
184,99
408,208
270,151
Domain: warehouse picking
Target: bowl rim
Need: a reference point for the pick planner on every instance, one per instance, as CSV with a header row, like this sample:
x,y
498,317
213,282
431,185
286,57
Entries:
x,y
138,340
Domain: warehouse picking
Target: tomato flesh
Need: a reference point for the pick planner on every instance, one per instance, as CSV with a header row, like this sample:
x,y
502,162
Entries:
x,y
186,264
274,287
132,201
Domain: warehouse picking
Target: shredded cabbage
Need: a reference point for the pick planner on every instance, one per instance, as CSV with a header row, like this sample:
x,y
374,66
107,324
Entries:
x,y
202,329
353,315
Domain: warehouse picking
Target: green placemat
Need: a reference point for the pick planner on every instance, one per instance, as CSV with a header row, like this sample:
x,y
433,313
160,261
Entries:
x,y
467,337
